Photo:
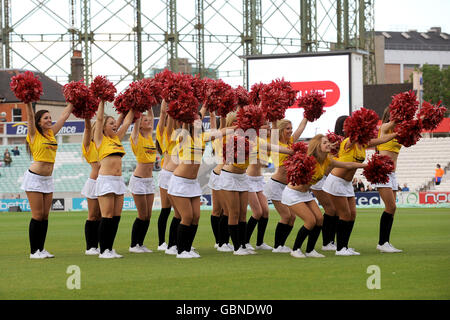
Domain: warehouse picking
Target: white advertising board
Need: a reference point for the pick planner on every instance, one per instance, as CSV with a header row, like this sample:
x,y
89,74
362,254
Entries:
x,y
327,73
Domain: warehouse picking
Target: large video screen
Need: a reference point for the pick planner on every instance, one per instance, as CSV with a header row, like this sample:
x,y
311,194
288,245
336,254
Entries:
x,y
329,74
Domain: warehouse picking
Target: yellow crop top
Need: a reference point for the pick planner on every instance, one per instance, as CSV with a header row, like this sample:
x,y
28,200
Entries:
x,y
320,170
110,146
43,148
391,145
92,154
144,150
191,150
354,154
281,157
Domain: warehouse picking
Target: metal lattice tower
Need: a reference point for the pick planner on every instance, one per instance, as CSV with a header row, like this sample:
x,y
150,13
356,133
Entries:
x,y
131,39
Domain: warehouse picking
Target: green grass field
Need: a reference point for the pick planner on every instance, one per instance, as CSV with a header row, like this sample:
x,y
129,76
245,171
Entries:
x,y
420,272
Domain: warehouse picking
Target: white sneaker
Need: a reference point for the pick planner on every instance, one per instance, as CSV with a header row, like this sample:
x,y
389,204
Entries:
x,y
135,249
184,255
387,248
115,254
329,247
297,254
92,252
343,252
264,246
106,255
194,254
282,249
353,252
145,249
37,255
224,248
162,247
394,248
249,246
314,254
230,246
172,250
241,252
47,254
216,245
250,251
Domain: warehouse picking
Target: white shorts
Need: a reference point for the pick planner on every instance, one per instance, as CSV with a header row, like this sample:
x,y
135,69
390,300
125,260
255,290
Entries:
x,y
338,187
392,183
256,184
291,196
89,189
37,183
274,190
164,178
214,181
234,181
110,184
141,185
182,187
319,184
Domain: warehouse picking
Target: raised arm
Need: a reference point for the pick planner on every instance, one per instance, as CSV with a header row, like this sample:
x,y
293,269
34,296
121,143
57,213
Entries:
x,y
300,129
385,138
119,120
151,115
30,121
212,121
135,131
388,126
162,117
126,124
87,134
62,119
98,135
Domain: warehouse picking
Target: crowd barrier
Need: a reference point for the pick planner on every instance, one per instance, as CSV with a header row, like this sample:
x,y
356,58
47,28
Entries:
x,y
363,200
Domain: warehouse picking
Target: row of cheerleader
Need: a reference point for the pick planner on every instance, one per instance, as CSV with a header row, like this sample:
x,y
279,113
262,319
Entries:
x,y
322,169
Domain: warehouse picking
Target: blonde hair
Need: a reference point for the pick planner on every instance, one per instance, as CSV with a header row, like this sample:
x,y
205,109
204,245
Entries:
x,y
314,148
231,118
281,126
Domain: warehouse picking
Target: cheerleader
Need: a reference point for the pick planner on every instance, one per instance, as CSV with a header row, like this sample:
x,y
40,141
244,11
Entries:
x,y
38,181
110,187
339,186
387,191
184,187
257,201
93,221
300,199
278,181
141,182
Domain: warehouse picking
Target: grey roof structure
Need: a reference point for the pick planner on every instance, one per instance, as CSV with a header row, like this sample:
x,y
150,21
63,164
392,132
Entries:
x,y
433,39
52,90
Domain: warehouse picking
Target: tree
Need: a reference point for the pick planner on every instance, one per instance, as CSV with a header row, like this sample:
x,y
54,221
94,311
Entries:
x,y
446,89
436,85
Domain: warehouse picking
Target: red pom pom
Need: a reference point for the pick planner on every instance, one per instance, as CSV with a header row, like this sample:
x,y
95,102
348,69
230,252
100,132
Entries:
x,y
408,132
255,93
300,168
276,97
26,87
250,117
236,149
430,115
199,86
103,89
184,109
243,97
378,168
335,141
361,126
220,97
139,96
299,147
84,102
403,106
313,103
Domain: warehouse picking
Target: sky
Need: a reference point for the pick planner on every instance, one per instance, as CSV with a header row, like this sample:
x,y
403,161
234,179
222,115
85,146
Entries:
x,y
403,15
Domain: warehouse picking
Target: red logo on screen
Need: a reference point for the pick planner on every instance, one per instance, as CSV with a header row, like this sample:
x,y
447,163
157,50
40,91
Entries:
x,y
328,88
